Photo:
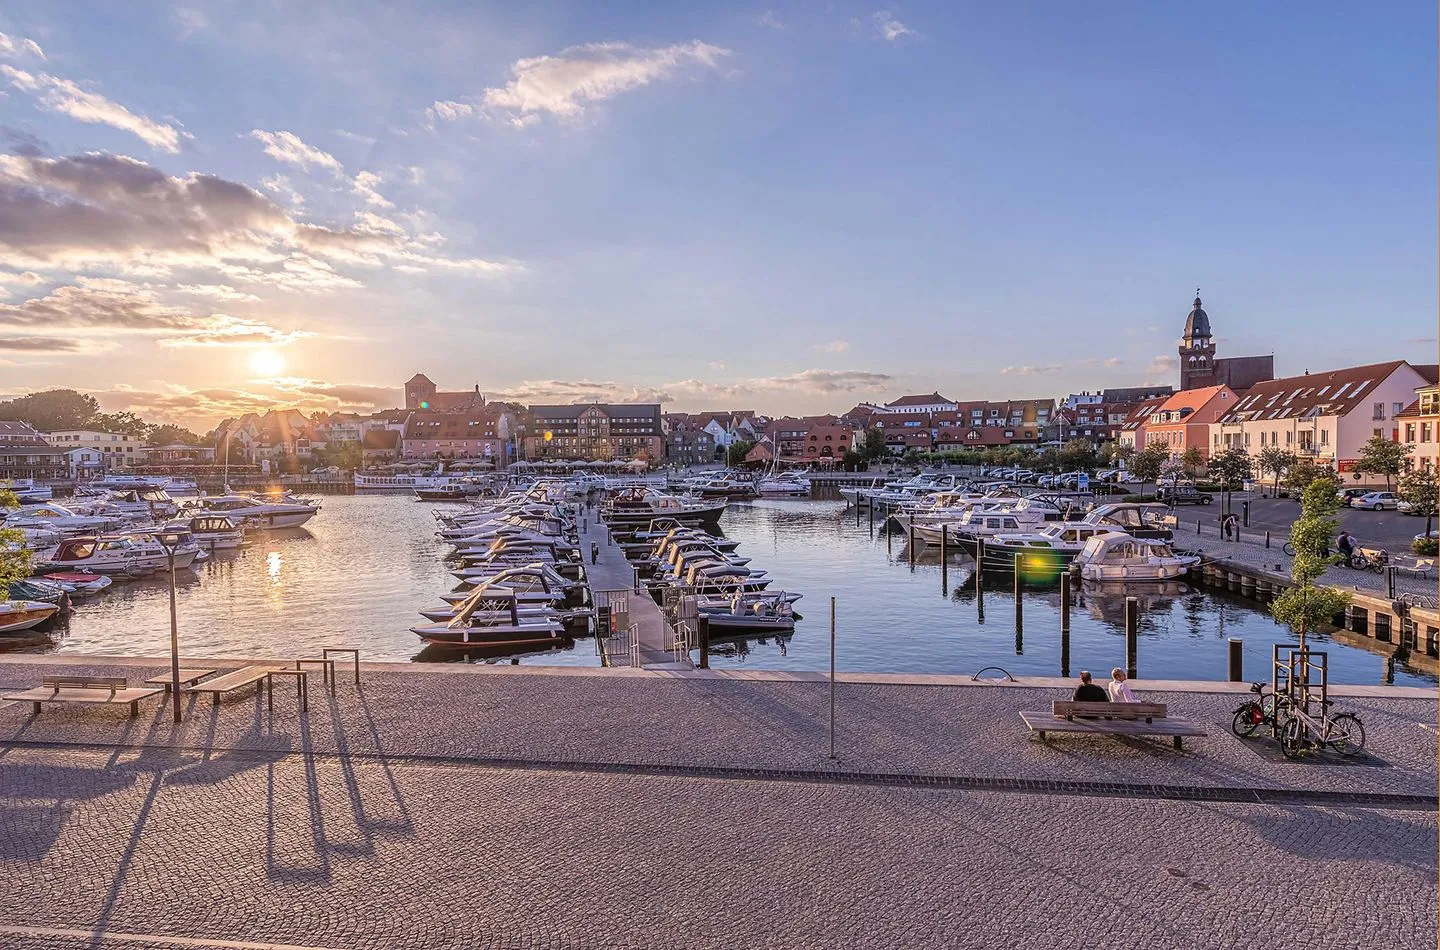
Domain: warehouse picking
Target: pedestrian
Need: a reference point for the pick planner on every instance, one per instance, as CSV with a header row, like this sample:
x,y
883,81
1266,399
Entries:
x,y
1119,689
1346,546
1088,692
594,551
1230,525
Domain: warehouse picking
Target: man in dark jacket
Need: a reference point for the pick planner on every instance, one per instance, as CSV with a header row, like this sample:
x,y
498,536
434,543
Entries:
x,y
1088,692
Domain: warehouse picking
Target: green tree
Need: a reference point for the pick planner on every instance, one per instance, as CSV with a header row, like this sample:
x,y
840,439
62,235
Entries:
x,y
1380,456
168,434
872,447
1191,461
1276,461
1079,455
123,423
1145,464
1048,461
735,455
53,409
1417,489
1120,452
1305,606
14,555
1231,468
1301,473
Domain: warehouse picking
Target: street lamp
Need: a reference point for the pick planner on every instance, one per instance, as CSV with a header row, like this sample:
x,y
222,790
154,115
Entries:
x,y
170,540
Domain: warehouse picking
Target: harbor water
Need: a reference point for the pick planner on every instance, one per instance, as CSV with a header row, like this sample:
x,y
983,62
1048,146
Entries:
x,y
358,574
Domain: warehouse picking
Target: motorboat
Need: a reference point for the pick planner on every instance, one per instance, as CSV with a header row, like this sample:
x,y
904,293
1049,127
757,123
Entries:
x,y
985,519
639,506
492,616
1143,520
535,582
212,532
77,583
454,492
1054,544
170,484
60,519
27,491
1117,556
16,615
724,485
791,484
746,615
255,513
114,554
142,503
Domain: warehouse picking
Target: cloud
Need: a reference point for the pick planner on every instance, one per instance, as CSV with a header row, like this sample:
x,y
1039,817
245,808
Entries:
x,y
565,83
10,46
364,186
190,21
1162,365
769,20
717,365
40,344
821,381
280,186
110,211
118,306
64,96
834,346
27,277
288,147
889,27
204,408
1029,370
1114,361
344,394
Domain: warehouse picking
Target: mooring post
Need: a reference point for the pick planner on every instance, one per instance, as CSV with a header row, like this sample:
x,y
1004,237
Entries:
x,y
1132,634
910,545
871,514
832,677
979,588
1267,539
889,542
944,556
1019,603
1065,603
1390,572
704,626
1236,662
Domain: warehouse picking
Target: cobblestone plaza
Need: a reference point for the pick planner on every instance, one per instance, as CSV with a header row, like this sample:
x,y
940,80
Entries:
x,y
480,808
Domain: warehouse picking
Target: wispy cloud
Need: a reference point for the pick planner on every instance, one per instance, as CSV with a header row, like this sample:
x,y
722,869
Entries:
x,y
834,346
190,21
289,148
563,84
889,26
769,20
364,186
1162,365
10,46
61,95
1030,370
40,344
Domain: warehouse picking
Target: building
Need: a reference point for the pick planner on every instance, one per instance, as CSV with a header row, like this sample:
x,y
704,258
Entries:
x,y
1132,431
687,441
119,451
928,403
457,434
1201,369
421,393
787,437
1135,394
826,444
1419,427
595,432
24,453
178,453
1325,417
85,463
378,446
1183,421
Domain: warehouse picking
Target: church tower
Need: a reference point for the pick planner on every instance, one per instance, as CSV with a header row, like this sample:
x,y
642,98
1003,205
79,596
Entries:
x,y
1197,350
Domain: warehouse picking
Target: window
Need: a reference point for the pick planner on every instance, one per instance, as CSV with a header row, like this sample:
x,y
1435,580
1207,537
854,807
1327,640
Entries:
x,y
1379,411
1424,432
1324,436
1289,438
1396,408
1409,432
1378,433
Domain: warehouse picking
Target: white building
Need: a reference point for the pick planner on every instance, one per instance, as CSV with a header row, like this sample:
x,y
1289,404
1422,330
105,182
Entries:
x,y
1324,417
927,403
118,451
84,461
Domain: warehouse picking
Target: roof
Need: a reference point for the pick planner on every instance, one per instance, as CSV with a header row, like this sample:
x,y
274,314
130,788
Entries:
x,y
1140,413
20,433
1192,399
1197,323
1430,372
574,410
924,400
1314,394
480,424
381,439
419,378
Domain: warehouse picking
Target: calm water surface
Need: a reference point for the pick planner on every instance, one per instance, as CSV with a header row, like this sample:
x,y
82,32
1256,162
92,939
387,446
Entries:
x,y
358,573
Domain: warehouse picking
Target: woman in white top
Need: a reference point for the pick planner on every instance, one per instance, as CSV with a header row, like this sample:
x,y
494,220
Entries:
x,y
1118,689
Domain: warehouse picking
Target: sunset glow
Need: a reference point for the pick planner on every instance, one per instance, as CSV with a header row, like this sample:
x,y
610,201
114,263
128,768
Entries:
x,y
267,361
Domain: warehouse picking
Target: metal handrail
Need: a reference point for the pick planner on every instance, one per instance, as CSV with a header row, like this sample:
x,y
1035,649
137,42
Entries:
x,y
1002,669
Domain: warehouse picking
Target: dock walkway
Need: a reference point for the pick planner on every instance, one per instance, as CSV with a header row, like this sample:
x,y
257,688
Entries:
x,y
612,571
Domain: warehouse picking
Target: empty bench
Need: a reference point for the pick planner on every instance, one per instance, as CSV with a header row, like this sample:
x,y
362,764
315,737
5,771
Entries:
x,y
187,678
103,690
232,681
1110,719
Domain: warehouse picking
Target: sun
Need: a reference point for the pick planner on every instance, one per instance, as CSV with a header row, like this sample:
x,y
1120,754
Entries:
x,y
267,361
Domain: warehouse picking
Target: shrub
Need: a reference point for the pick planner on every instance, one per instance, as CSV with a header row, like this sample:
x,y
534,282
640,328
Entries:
x,y
1425,547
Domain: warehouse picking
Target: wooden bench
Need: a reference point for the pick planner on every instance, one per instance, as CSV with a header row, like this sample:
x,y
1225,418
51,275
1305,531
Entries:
x,y
187,678
1117,719
1418,567
85,689
231,681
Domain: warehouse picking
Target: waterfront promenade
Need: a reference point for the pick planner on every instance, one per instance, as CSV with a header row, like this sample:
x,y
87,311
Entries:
x,y
522,806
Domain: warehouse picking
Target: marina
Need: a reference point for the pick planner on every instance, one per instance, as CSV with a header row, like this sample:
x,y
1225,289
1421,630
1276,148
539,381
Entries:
x,y
362,572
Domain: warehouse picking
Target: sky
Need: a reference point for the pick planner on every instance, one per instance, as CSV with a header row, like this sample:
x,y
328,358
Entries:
x,y
207,208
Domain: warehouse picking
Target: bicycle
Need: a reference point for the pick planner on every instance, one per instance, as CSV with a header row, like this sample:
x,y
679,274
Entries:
x,y
1369,559
1261,711
1343,732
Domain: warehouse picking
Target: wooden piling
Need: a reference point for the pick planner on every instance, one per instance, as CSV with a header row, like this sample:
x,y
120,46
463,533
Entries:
x,y
1132,635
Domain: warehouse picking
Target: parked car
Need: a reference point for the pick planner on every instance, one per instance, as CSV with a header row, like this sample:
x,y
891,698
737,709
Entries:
x,y
1375,501
1433,535
1347,495
1183,495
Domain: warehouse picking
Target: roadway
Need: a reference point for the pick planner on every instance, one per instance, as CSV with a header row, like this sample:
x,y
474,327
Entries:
x,y
1390,530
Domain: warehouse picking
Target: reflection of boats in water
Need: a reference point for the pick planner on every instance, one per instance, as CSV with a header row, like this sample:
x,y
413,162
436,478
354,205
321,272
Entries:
x,y
1105,600
740,646
492,653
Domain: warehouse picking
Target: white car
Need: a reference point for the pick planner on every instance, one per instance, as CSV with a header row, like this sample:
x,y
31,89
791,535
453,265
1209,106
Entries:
x,y
1375,501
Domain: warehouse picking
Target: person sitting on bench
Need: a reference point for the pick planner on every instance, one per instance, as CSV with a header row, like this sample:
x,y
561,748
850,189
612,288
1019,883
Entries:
x,y
1088,692
1119,689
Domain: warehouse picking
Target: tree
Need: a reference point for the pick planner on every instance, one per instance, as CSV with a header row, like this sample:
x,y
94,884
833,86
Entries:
x,y
1079,455
1146,463
1417,489
1380,456
873,445
1306,606
14,555
735,456
1300,474
1276,461
1049,461
168,434
1191,460
123,423
1230,468
1121,452
53,409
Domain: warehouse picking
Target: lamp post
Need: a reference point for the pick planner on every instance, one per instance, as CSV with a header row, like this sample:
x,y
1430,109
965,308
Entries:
x,y
170,540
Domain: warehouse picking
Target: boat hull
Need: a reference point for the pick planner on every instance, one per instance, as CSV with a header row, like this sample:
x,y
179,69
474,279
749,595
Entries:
x,y
24,614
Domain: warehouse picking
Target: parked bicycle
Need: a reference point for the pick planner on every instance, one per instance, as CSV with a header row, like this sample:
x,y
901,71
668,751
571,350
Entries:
x,y
1370,559
1343,732
1257,712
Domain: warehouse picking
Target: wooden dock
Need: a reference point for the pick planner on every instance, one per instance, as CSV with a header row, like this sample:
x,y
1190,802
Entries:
x,y
654,639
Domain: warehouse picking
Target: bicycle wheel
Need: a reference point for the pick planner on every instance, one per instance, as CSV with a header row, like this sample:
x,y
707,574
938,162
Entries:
x,y
1292,738
1288,549
1247,719
1347,734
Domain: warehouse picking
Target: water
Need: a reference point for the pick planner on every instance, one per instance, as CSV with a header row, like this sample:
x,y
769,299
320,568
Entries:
x,y
358,573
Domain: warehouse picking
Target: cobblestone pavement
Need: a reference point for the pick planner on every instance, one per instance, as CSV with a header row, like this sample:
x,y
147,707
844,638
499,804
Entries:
x,y
1251,551
342,852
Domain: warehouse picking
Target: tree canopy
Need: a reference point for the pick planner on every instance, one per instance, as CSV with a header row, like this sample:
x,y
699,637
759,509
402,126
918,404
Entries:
x,y
1231,467
1305,606
53,409
1274,460
1146,463
1380,456
14,555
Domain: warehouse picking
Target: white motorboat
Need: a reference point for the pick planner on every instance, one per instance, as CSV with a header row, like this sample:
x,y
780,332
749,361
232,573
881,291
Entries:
x,y
1116,556
259,514
784,485
639,506
141,503
212,532
492,617
1054,544
18,615
76,583
60,519
119,554
27,491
